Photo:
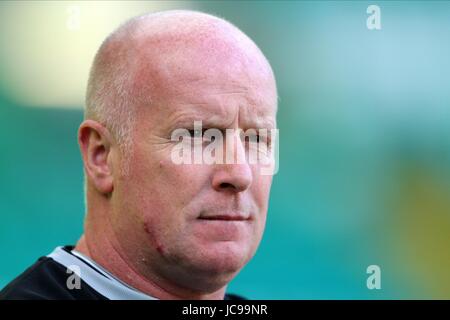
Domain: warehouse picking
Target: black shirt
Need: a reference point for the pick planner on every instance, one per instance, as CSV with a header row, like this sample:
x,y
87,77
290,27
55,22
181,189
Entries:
x,y
68,275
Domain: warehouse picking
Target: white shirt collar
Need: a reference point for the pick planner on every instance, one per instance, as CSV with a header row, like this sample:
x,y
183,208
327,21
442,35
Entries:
x,y
97,277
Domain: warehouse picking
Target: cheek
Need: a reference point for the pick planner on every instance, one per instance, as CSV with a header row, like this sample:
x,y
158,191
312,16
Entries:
x,y
181,184
161,195
155,174
261,189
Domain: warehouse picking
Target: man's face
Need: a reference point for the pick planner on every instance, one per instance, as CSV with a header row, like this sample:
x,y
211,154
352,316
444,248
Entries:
x,y
195,218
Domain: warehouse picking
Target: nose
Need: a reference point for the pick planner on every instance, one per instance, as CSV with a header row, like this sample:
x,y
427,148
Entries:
x,y
232,177
235,177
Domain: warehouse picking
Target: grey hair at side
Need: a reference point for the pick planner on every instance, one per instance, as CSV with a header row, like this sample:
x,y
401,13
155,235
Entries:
x,y
110,98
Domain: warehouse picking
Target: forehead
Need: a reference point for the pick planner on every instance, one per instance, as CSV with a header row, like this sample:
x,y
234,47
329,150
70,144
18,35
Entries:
x,y
193,84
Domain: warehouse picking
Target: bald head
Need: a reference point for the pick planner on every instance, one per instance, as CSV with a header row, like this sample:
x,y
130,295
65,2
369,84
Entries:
x,y
138,61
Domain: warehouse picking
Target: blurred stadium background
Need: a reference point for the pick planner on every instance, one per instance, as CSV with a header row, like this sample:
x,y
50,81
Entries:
x,y
364,120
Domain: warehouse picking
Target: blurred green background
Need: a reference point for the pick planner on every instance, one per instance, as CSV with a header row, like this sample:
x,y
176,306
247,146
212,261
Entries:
x,y
364,118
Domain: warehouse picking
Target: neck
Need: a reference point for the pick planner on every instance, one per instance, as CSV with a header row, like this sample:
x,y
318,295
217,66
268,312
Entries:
x,y
100,248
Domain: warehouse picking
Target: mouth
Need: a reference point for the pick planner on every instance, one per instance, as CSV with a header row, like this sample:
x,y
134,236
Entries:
x,y
225,217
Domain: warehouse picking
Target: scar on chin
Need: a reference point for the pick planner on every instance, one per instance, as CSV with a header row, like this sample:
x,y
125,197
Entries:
x,y
154,242
160,249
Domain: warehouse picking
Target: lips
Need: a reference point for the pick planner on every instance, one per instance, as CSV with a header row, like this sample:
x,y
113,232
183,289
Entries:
x,y
225,217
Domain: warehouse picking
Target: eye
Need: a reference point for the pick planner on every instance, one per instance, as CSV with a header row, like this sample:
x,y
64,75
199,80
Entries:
x,y
197,133
258,140
253,138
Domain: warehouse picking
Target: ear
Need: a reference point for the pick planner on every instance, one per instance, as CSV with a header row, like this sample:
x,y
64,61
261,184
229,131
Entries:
x,y
95,143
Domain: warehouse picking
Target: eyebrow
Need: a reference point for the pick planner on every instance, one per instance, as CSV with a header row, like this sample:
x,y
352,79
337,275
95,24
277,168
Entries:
x,y
212,119
187,120
188,123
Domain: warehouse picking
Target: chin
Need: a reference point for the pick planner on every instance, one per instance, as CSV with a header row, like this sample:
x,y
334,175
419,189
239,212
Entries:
x,y
225,257
212,266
